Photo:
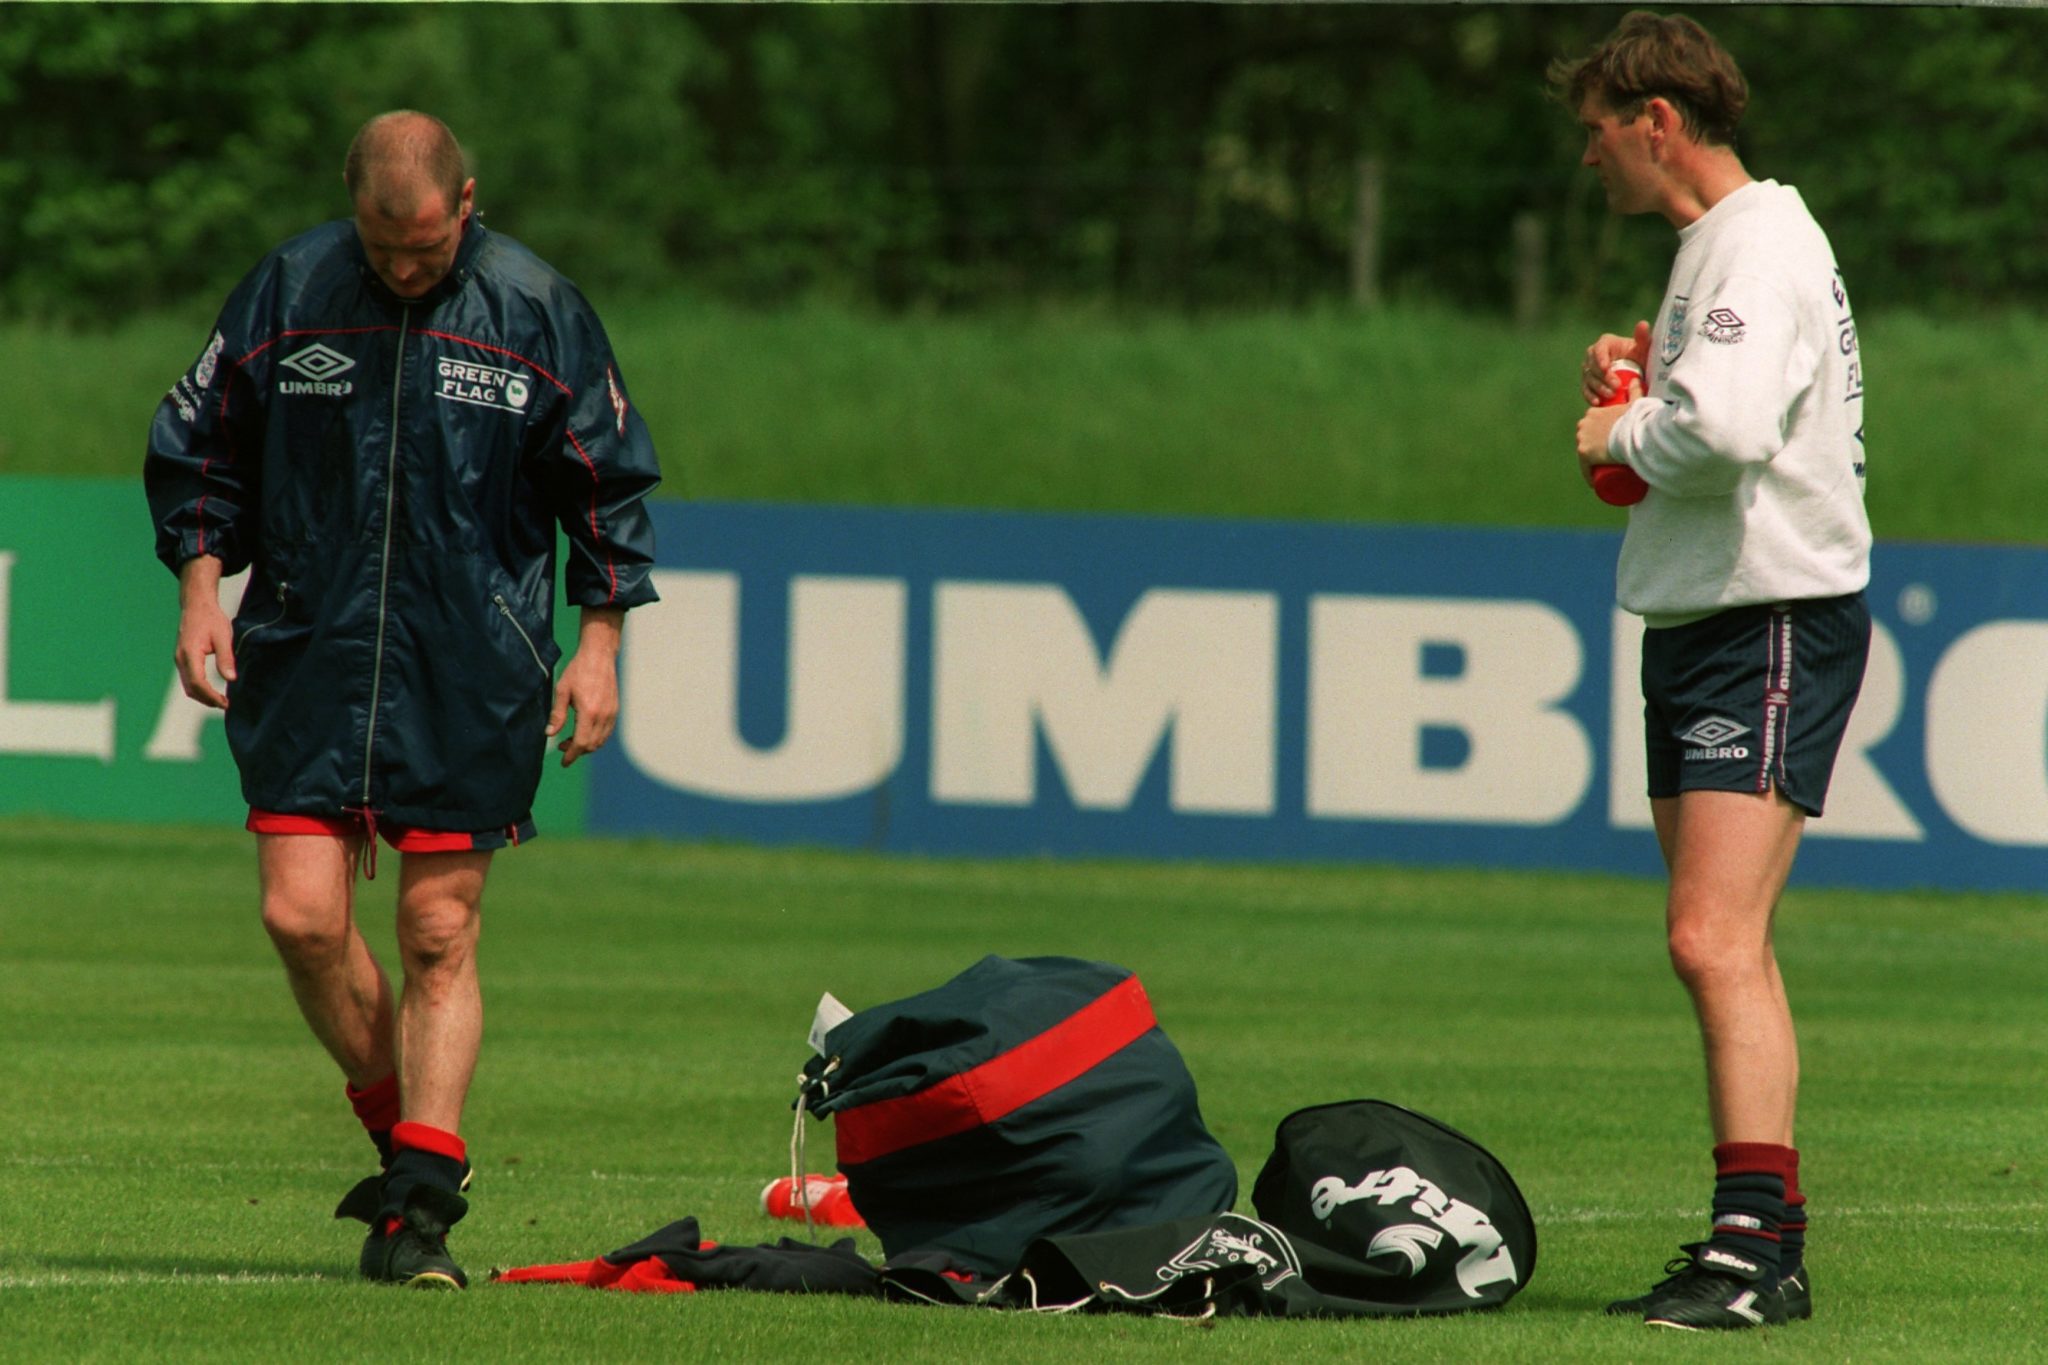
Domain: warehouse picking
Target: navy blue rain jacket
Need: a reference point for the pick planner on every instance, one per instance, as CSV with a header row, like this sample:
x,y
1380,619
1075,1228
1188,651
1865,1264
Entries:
x,y
393,471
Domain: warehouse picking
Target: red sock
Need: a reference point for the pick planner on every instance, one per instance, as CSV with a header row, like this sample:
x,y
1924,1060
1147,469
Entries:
x,y
376,1105
420,1137
376,1109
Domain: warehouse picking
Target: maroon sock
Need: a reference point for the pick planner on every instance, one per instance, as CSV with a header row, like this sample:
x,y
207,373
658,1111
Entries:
x,y
1750,1179
1792,1232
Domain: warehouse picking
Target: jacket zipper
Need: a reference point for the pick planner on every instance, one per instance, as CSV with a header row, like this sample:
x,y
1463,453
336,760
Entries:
x,y
261,626
384,563
506,608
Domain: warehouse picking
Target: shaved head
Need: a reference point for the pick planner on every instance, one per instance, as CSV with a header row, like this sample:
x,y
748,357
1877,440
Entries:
x,y
400,161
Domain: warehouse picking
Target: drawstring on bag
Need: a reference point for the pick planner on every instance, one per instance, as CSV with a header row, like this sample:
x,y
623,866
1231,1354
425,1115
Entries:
x,y
799,1171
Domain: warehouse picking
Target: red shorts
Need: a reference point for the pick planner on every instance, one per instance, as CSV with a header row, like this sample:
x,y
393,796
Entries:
x,y
404,838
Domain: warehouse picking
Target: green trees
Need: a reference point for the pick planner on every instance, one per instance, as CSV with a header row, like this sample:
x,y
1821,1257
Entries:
x,y
1183,156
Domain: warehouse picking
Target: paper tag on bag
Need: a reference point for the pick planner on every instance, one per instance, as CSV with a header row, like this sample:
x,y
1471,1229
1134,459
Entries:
x,y
831,1014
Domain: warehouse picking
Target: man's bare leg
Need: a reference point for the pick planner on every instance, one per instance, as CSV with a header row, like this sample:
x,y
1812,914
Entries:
x,y
308,899
1730,854
440,1027
440,1012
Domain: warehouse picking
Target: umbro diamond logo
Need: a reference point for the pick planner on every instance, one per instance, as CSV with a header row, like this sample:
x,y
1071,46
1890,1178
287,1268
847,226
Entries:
x,y
1724,326
1713,731
318,362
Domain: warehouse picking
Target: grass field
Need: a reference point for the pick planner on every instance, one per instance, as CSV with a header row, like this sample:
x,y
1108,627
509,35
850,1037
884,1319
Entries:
x,y
172,1141
1403,416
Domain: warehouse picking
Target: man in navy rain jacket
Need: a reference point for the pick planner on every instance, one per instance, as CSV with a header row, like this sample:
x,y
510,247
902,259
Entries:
x,y
389,421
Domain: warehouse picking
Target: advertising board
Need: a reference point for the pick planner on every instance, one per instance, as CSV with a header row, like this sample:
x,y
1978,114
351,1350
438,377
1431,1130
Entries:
x,y
1007,683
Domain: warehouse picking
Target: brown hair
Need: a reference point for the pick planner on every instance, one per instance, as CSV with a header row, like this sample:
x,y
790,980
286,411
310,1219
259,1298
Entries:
x,y
1650,55
396,156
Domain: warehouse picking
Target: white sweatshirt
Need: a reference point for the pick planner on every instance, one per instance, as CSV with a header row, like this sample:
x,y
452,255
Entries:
x,y
1751,438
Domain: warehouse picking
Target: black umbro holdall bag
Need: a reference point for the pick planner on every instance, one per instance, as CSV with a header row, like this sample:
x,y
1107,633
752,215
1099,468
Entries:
x,y
1398,1207
1022,1099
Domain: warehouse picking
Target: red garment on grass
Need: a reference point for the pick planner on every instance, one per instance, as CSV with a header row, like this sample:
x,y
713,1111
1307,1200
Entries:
x,y
677,1260
649,1276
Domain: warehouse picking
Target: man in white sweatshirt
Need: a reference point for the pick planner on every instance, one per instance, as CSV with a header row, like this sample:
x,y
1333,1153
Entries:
x,y
1746,560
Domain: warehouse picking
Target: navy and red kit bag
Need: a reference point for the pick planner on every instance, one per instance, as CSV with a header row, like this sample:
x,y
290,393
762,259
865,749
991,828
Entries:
x,y
1022,1099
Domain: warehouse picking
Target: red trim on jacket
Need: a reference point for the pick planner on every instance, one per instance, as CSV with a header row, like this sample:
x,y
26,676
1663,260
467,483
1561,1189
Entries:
x,y
496,350
611,570
221,413
310,332
1003,1084
596,534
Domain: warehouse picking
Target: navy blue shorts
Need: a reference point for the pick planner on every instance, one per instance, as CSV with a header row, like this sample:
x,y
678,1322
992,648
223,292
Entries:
x,y
1754,698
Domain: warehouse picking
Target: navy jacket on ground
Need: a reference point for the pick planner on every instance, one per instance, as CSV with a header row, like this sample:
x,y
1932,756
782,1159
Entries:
x,y
393,472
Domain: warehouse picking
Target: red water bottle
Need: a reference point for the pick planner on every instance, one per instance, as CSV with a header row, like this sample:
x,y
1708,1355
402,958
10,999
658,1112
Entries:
x,y
1616,484
830,1203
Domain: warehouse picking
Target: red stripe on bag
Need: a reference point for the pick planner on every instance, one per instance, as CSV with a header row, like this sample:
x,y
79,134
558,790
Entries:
x,y
1091,1035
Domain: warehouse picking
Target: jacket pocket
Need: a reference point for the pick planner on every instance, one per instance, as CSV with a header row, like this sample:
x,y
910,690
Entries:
x,y
250,622
526,637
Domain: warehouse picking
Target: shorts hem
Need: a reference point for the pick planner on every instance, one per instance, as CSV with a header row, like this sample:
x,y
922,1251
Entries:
x,y
401,837
1740,789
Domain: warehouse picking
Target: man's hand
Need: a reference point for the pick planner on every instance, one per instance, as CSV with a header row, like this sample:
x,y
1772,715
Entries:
x,y
589,685
203,632
1594,385
1594,429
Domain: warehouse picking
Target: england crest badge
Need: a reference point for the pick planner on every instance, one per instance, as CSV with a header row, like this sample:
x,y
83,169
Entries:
x,y
1674,332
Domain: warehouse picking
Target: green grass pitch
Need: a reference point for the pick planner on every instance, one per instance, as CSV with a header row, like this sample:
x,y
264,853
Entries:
x,y
171,1140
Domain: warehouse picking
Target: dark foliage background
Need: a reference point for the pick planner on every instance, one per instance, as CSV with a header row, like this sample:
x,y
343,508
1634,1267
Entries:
x,y
1184,157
